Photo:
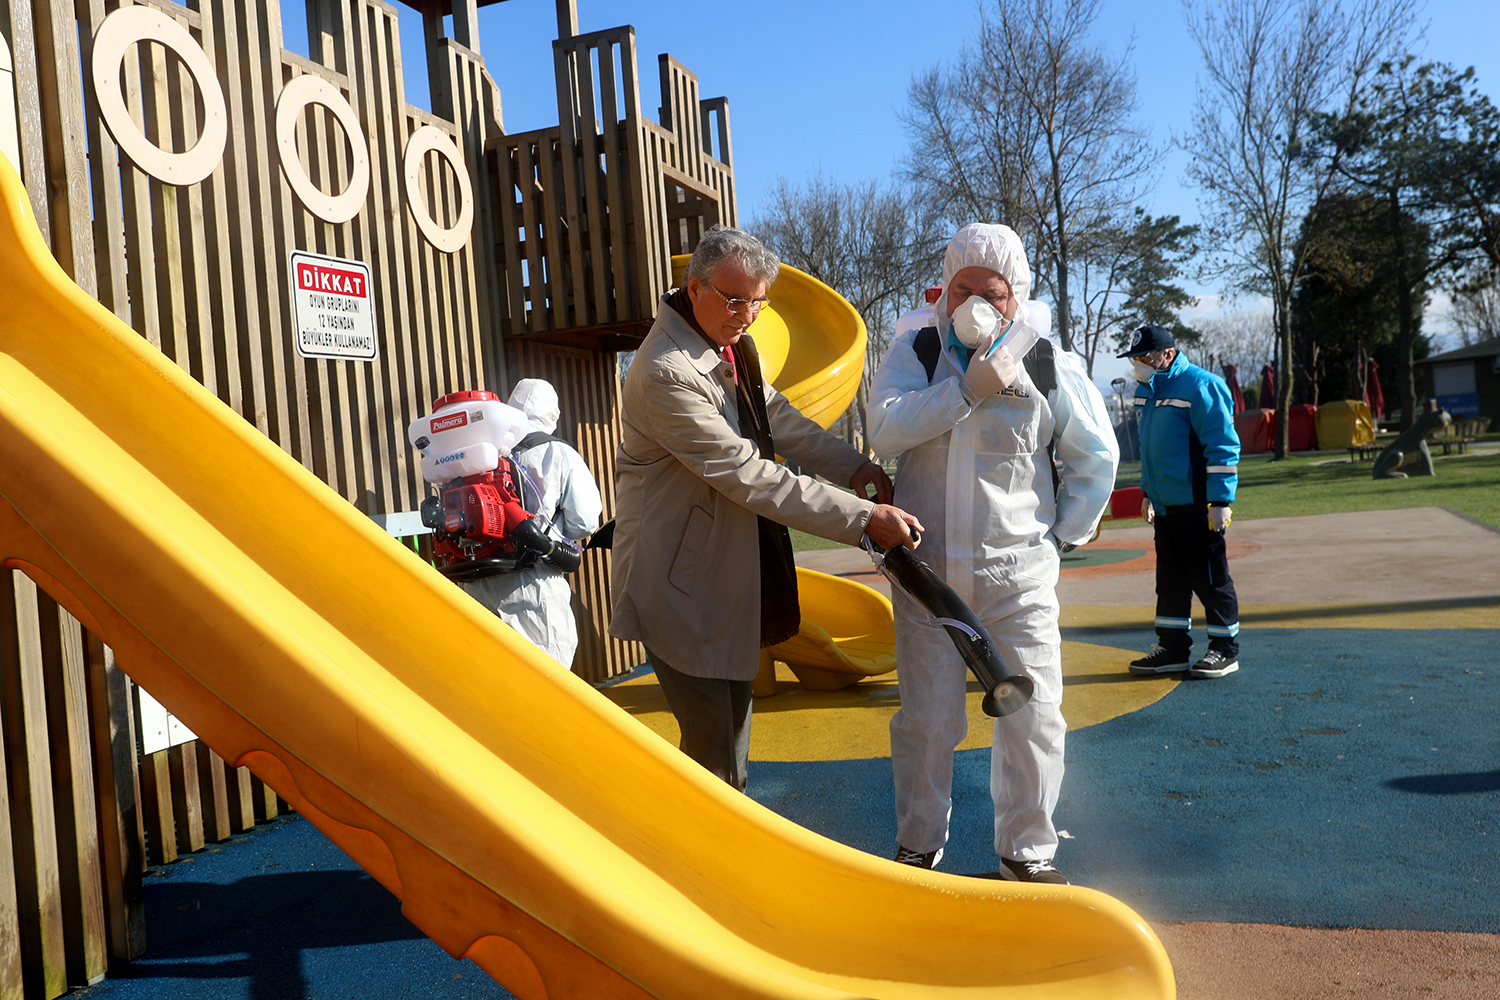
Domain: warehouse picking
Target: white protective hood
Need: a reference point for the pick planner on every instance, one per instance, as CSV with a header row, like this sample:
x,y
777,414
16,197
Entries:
x,y
537,399
998,248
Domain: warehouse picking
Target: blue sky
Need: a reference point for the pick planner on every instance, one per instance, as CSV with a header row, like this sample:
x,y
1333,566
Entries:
x,y
817,84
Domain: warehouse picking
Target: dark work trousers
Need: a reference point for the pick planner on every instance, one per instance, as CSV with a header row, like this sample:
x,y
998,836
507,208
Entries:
x,y
714,716
1190,559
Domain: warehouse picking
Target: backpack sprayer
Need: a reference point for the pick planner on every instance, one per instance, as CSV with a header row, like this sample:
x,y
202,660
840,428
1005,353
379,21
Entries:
x,y
480,521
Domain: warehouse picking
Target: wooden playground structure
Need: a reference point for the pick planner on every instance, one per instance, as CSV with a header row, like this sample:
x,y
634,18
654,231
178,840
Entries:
x,y
177,156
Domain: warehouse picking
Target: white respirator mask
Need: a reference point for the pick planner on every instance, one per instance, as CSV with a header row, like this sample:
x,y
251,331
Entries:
x,y
974,319
1143,371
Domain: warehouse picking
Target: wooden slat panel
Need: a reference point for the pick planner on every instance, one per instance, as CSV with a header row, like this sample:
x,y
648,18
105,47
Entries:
x,y
187,804
213,795
12,978
122,837
239,786
33,827
595,221
77,826
267,805
61,80
29,123
614,184
160,123
156,809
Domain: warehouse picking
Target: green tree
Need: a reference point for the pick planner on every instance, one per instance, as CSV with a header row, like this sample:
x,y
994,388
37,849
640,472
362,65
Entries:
x,y
1346,310
1421,141
1162,246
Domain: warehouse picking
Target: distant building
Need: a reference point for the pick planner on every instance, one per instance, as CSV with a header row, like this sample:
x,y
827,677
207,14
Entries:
x,y
1466,382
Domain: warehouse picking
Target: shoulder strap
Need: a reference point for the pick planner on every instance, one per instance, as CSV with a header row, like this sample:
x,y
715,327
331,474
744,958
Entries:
x,y
1041,365
928,348
533,439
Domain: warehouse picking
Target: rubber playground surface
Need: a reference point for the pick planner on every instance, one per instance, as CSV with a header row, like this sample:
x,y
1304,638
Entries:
x,y
1323,823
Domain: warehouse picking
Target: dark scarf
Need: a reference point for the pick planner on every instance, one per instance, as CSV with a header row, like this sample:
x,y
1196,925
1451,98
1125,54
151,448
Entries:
x,y
780,612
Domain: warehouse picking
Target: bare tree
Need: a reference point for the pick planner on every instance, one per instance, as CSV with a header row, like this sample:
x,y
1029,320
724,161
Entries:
x,y
1032,127
875,244
1244,340
1272,66
1476,314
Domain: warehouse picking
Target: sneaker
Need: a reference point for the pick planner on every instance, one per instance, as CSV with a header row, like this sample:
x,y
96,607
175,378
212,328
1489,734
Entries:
x,y
918,859
1159,661
1214,664
1031,871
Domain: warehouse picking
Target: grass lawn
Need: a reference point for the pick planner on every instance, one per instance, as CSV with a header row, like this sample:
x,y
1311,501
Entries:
x,y
1469,484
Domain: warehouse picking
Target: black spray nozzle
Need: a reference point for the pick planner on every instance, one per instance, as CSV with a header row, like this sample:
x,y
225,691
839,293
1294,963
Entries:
x,y
1004,692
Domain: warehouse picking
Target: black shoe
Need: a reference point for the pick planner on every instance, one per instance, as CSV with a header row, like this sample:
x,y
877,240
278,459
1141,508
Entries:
x,y
1159,661
918,859
1031,871
1214,665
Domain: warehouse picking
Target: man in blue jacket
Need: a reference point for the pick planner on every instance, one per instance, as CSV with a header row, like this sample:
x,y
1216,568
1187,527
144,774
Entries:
x,y
1190,455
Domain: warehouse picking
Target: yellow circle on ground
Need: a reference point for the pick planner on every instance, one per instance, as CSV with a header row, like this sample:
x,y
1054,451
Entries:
x,y
854,724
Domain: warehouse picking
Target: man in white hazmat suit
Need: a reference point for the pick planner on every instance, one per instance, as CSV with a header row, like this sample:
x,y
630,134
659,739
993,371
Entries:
x,y
961,406
560,491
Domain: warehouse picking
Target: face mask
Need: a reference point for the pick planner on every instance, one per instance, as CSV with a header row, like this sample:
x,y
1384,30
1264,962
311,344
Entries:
x,y
974,319
1143,371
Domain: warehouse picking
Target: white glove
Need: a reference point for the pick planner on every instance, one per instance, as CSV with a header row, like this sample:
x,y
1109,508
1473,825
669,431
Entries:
x,y
988,376
1219,518
1147,511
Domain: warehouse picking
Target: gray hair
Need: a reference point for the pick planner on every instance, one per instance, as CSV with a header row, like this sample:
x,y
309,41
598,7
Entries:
x,y
721,243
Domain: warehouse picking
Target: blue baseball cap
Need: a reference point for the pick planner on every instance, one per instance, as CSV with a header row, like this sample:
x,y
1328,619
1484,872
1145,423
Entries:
x,y
1147,339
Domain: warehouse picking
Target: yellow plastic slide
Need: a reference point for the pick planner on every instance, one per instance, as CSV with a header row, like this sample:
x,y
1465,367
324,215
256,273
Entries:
x,y
522,819
848,632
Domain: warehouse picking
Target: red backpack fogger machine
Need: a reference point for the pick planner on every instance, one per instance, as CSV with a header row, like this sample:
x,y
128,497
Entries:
x,y
481,520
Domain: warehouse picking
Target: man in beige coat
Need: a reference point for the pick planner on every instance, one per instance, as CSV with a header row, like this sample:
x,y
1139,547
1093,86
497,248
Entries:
x,y
703,571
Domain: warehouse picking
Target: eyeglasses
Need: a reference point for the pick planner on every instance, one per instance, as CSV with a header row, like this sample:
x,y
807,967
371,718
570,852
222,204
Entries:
x,y
735,305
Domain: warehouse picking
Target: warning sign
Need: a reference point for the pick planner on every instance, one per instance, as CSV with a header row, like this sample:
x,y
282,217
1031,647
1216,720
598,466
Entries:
x,y
332,311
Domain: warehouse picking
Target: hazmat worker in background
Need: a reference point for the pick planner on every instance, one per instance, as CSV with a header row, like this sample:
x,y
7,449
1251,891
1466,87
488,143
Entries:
x,y
558,488
976,427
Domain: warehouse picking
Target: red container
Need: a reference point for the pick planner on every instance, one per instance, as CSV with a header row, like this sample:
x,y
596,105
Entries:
x,y
1304,424
1257,431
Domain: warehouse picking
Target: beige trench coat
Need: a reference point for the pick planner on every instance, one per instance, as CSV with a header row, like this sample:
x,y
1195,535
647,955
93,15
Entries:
x,y
689,486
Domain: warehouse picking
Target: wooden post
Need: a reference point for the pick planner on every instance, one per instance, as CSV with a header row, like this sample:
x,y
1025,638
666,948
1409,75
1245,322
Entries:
x,y
466,25
122,838
264,797
12,981
156,796
213,793
33,833
187,807
239,784
567,18
77,826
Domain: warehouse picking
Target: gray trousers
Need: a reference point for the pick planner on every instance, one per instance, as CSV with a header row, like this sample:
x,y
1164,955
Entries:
x,y
714,716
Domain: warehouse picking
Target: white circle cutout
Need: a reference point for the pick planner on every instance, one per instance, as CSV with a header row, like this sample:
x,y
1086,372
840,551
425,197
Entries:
x,y
296,95
429,139
124,28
